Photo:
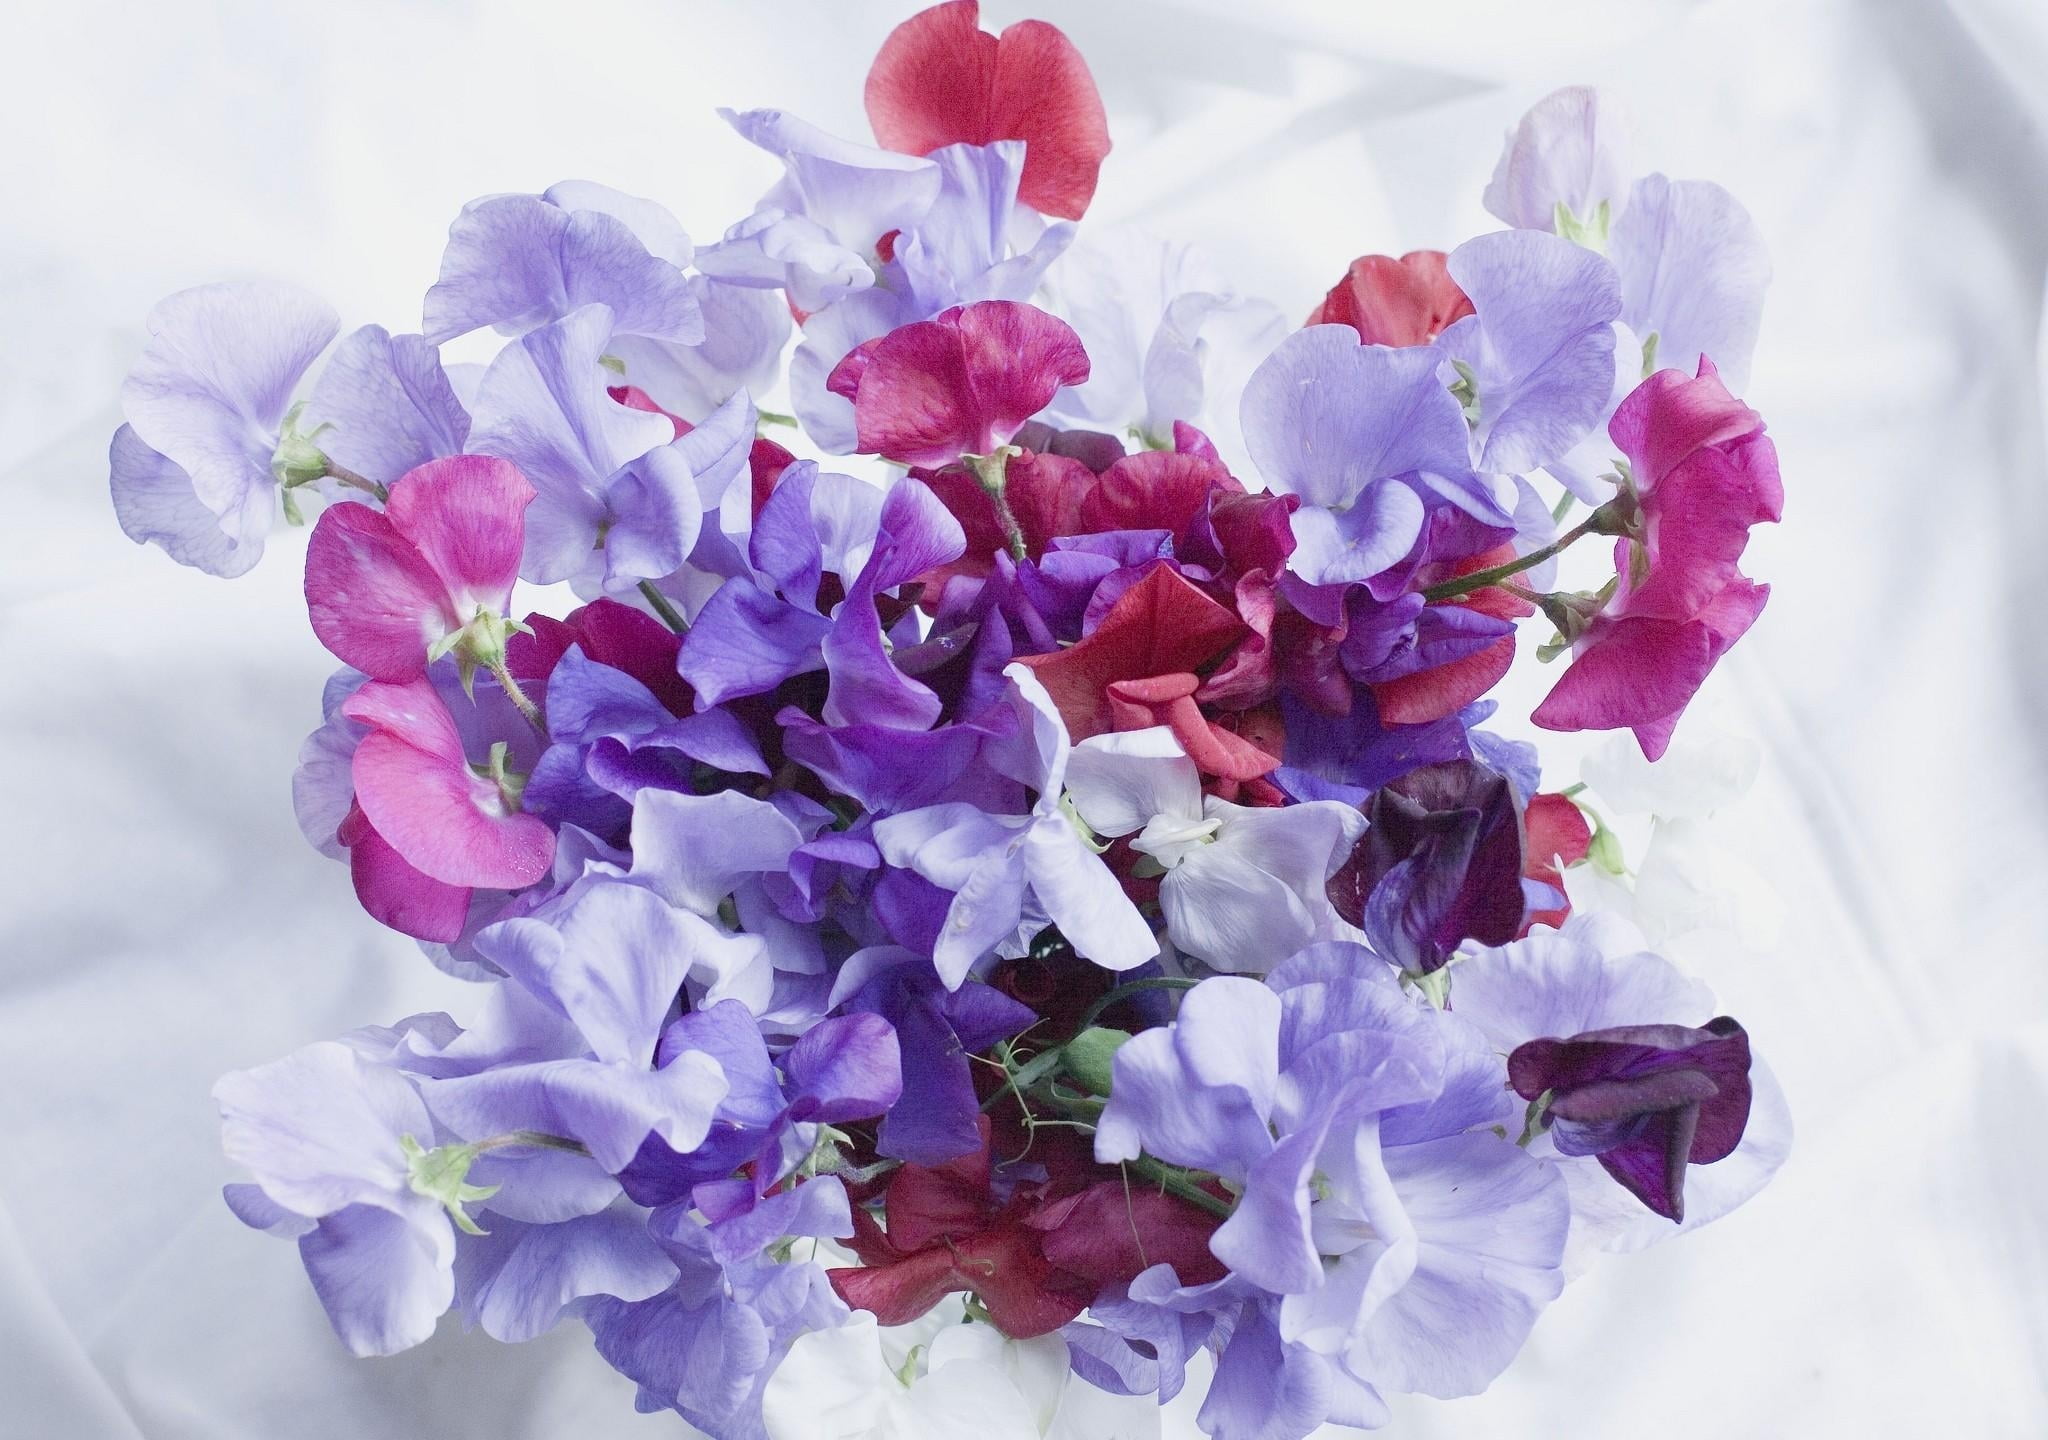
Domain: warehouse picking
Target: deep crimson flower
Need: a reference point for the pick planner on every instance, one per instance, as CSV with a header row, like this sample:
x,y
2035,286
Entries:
x,y
959,384
1407,301
1043,492
1704,473
610,634
940,79
1156,490
1035,1260
1161,626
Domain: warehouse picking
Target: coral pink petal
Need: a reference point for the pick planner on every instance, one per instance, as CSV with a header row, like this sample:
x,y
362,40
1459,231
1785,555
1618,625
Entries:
x,y
467,516
394,893
374,600
939,79
1432,694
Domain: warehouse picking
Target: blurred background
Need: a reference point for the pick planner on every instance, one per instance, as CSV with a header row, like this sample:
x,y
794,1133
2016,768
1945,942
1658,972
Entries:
x,y
161,920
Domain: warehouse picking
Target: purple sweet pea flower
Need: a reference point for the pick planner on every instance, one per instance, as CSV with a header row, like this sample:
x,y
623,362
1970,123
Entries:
x,y
1594,977
324,1132
1359,432
1568,152
383,405
622,497
191,470
519,1279
519,262
1646,1099
937,1029
1536,357
1440,864
1693,272
992,862
1424,1222
744,332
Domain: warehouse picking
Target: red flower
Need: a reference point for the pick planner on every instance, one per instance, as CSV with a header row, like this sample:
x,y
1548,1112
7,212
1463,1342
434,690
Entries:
x,y
610,634
940,79
959,384
1555,835
1395,302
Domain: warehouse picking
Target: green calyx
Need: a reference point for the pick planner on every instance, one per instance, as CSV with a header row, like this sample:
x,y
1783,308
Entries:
x,y
1537,1120
1081,827
511,784
1590,232
297,460
478,645
1090,1058
1465,390
442,1175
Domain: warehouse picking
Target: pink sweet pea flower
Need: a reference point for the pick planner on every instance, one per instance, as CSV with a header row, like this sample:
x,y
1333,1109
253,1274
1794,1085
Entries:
x,y
940,79
959,384
1704,473
426,828
391,590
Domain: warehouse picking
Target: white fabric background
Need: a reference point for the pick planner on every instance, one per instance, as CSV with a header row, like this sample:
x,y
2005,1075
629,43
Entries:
x,y
161,921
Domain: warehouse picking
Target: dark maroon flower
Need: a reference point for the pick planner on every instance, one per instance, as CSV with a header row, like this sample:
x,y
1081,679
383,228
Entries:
x,y
1646,1099
1440,864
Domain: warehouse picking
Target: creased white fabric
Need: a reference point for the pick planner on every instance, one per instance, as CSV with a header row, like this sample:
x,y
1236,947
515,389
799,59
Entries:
x,y
161,921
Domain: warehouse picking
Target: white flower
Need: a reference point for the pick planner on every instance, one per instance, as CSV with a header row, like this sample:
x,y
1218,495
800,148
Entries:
x,y
1244,885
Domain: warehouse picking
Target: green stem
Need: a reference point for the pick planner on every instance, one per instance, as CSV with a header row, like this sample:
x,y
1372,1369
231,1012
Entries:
x,y
670,616
776,417
1480,579
517,696
1125,992
1176,1182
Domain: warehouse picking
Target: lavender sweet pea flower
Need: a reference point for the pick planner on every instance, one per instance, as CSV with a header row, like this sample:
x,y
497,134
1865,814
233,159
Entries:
x,y
383,405
518,1280
519,262
1567,153
191,470
325,1133
1594,976
1693,271
1244,886
621,497
744,332
814,233
1358,432
993,862
1536,358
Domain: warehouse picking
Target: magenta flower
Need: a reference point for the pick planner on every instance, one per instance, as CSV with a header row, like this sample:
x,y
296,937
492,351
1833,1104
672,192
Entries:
x,y
428,827
390,591
963,383
1704,472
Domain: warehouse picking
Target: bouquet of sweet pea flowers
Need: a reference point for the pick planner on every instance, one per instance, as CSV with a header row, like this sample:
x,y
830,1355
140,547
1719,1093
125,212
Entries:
x,y
1033,934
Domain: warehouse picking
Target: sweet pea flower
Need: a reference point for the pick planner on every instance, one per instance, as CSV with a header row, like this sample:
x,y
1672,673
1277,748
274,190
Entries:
x,y
1359,432
1564,166
1243,886
992,861
518,262
192,469
1594,980
960,384
391,591
384,406
331,1140
1693,272
939,79
1703,473
1535,361
1409,301
427,828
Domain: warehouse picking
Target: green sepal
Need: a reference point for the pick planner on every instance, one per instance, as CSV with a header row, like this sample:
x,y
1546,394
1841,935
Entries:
x,y
1591,233
297,460
442,1175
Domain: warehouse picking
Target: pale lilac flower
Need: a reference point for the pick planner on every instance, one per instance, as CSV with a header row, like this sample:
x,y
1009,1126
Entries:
x,y
205,404
1569,152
